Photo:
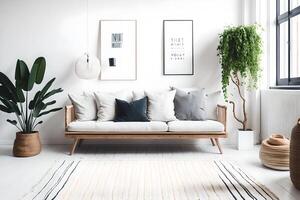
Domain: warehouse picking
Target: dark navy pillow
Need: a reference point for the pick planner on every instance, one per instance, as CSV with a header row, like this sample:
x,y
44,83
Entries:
x,y
135,111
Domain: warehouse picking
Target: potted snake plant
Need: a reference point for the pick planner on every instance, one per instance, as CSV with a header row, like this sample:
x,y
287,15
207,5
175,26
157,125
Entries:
x,y
240,50
14,98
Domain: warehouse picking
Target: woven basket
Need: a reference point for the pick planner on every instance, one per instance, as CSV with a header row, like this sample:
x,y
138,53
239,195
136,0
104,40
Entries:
x,y
274,152
295,155
27,144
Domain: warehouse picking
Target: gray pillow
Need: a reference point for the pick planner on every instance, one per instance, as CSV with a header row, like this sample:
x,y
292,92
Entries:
x,y
190,105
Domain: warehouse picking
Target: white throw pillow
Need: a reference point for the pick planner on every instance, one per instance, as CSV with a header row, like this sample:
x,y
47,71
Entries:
x,y
106,103
84,106
161,106
138,94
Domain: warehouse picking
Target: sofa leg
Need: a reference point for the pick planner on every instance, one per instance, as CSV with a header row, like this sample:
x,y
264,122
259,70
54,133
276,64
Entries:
x,y
73,147
219,146
80,142
212,141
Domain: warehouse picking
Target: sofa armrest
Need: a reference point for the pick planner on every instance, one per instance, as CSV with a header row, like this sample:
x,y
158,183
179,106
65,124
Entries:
x,y
69,115
222,114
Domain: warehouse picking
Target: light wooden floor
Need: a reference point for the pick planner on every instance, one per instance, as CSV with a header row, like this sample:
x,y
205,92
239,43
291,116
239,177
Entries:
x,y
18,175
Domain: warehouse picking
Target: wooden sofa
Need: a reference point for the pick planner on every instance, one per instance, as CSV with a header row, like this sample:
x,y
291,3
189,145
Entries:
x,y
78,136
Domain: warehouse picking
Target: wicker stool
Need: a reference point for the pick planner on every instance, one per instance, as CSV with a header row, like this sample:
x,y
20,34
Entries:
x,y
274,152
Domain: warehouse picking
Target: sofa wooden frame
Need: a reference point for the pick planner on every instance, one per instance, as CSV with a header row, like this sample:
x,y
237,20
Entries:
x,y
78,136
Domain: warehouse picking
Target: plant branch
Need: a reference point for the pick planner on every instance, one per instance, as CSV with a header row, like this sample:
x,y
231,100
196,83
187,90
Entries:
x,y
234,113
238,85
35,125
26,122
18,128
30,121
34,122
20,121
22,114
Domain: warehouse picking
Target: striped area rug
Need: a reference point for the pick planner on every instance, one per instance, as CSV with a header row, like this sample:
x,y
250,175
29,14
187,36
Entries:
x,y
141,180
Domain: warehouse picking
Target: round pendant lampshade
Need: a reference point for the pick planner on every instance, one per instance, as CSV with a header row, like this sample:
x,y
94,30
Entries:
x,y
87,67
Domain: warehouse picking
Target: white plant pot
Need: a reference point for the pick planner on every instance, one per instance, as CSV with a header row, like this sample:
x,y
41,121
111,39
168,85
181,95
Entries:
x,y
245,140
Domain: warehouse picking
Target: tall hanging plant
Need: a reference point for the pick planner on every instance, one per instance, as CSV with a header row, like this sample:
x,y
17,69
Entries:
x,y
239,52
14,98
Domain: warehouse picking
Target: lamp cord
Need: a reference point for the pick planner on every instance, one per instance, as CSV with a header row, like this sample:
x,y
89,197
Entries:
x,y
87,30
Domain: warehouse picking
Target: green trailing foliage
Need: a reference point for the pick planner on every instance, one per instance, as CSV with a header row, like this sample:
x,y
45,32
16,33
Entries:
x,y
14,98
239,52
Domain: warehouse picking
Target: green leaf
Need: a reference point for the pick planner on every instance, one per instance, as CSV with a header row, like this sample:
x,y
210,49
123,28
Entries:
x,y
33,102
22,75
46,87
55,91
4,81
31,79
41,106
13,122
37,72
5,109
40,122
50,103
20,95
39,67
49,111
38,98
5,102
11,105
15,107
4,93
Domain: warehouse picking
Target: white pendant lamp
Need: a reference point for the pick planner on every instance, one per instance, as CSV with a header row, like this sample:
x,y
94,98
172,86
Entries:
x,y
87,66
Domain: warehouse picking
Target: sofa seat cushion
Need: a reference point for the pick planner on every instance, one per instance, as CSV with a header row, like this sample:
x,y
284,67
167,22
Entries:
x,y
196,126
110,126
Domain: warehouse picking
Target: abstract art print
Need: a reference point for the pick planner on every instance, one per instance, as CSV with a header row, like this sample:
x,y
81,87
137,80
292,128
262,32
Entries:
x,y
116,40
178,47
118,49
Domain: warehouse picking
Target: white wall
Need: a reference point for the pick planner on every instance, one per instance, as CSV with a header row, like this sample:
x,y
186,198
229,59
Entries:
x,y
280,112
56,29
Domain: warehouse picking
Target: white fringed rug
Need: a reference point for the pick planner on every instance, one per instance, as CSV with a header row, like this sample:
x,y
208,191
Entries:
x,y
140,180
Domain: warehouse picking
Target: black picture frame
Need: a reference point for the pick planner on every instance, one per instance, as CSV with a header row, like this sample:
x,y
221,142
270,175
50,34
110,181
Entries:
x,y
285,83
164,48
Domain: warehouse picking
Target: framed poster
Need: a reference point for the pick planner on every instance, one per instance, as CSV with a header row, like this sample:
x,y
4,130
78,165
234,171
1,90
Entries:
x,y
178,46
118,49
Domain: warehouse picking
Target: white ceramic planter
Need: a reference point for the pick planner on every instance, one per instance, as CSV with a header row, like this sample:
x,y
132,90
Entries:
x,y
245,140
